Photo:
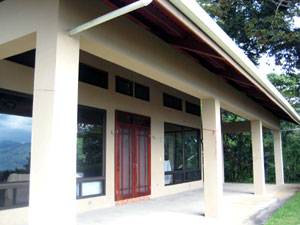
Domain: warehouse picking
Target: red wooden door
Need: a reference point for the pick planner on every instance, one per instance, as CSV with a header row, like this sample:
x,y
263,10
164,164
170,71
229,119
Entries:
x,y
132,166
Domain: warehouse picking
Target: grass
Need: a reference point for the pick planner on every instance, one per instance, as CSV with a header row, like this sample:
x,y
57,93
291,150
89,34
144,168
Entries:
x,y
288,213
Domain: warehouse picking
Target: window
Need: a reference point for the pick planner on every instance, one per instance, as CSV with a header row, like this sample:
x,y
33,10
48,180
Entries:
x,y
142,92
90,152
182,154
15,146
172,101
93,76
124,86
192,108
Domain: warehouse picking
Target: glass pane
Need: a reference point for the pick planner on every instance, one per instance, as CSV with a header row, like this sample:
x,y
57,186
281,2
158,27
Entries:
x,y
124,86
168,179
193,175
90,136
126,160
142,92
178,178
191,150
169,151
15,144
94,76
172,101
15,136
141,161
92,188
14,196
178,151
15,147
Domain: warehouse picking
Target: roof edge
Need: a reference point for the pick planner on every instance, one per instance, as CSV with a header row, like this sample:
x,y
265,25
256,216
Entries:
x,y
193,11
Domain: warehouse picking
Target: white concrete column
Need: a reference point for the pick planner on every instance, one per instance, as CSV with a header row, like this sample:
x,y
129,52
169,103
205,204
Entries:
x,y
258,157
54,130
278,157
222,160
213,183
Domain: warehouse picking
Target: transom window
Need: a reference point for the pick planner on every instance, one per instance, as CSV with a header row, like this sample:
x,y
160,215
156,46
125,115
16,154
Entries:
x,y
172,102
93,76
182,154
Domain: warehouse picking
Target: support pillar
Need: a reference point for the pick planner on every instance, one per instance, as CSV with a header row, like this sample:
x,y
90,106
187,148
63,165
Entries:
x,y
258,157
278,157
213,183
54,129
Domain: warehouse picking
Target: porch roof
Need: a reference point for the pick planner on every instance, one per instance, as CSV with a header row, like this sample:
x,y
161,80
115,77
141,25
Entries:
x,y
188,28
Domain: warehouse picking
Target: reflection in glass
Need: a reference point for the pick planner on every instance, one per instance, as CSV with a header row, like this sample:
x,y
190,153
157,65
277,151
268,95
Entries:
x,y
182,154
15,145
89,143
90,152
15,134
191,152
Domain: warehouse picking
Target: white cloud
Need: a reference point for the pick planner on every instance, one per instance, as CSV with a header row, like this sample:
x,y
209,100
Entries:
x,y
11,122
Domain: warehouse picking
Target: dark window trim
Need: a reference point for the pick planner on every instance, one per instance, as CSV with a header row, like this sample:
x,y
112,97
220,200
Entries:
x,y
103,178
165,95
183,170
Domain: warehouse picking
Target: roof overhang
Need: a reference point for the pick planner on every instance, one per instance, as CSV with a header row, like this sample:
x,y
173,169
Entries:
x,y
189,29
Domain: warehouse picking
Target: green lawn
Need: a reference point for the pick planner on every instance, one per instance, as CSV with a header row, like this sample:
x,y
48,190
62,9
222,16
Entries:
x,y
287,214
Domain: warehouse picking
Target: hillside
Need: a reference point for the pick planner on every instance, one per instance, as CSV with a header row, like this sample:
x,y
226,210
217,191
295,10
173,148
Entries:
x,y
13,155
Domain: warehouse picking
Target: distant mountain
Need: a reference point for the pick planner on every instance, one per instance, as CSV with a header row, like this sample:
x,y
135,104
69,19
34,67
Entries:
x,y
13,155
9,144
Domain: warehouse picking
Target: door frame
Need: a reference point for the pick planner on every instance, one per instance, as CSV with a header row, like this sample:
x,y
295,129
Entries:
x,y
134,151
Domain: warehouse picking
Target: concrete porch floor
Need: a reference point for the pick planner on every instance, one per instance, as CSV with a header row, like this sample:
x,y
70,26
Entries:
x,y
240,206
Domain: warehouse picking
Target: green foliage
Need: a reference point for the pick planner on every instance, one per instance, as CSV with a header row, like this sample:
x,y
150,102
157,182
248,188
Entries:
x,y
289,86
239,144
260,26
269,157
288,214
238,154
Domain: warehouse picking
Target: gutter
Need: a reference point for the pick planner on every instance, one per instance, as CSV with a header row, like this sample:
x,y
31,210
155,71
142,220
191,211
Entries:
x,y
109,16
195,13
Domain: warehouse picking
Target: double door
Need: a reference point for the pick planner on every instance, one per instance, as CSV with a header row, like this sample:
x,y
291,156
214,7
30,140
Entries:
x,y
132,166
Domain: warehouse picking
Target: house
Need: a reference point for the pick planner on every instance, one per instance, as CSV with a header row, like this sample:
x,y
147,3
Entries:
x,y
123,110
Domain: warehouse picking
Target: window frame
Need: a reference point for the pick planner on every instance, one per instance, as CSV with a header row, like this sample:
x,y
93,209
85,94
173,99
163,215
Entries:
x,y
184,171
101,179
19,184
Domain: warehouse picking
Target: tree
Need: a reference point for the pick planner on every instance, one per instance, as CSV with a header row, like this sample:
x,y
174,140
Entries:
x,y
260,27
289,86
264,27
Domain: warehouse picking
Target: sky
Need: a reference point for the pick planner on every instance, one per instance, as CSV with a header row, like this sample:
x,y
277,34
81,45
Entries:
x,y
15,128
